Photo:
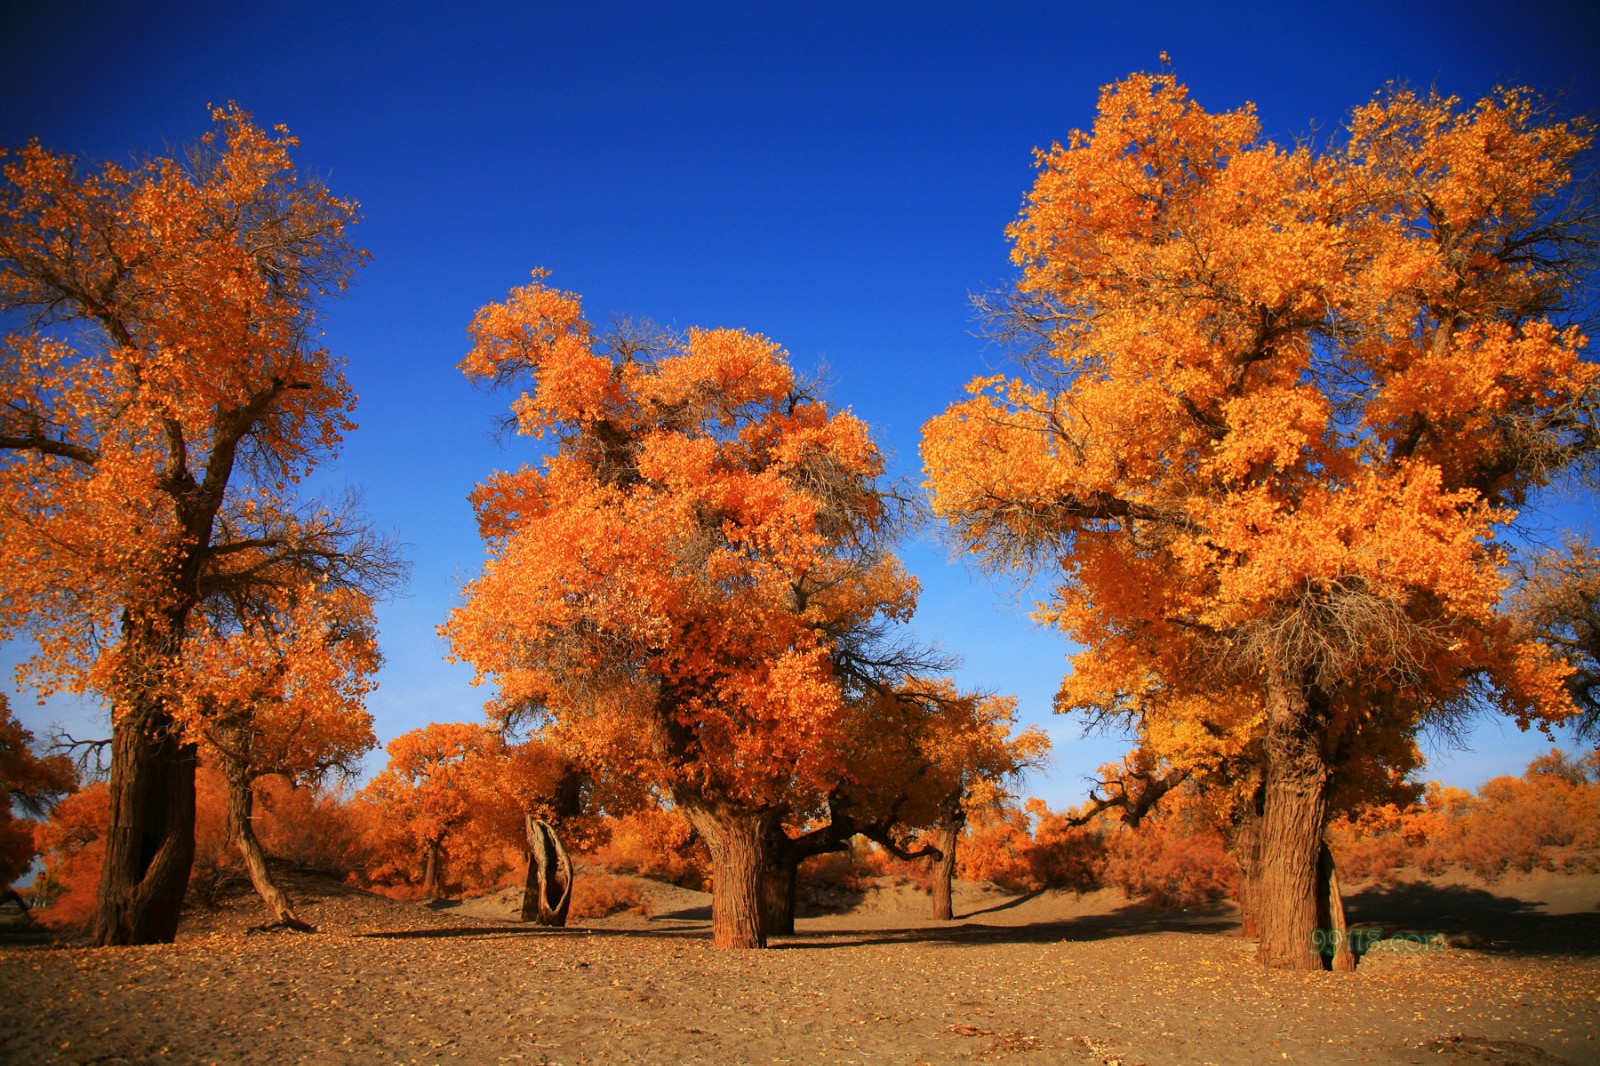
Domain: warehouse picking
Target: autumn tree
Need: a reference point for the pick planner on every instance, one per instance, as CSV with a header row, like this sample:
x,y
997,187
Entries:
x,y
916,758
426,795
1558,598
163,390
30,784
971,760
538,798
279,680
1275,404
688,576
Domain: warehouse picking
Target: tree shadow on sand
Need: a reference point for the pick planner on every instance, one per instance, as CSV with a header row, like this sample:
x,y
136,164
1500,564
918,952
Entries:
x,y
1474,919
694,923
1471,919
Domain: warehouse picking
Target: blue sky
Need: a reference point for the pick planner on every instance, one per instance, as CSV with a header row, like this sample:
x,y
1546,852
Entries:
x,y
835,176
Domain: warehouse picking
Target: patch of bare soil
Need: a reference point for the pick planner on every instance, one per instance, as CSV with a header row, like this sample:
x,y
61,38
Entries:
x,y
1040,978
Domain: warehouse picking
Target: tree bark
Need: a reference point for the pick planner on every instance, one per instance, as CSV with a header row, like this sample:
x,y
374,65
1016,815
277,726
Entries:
x,y
945,837
738,839
1244,845
779,880
241,806
1337,952
1294,811
150,835
547,895
432,861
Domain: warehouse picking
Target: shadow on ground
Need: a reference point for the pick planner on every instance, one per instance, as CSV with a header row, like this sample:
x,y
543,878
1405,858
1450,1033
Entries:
x,y
1474,919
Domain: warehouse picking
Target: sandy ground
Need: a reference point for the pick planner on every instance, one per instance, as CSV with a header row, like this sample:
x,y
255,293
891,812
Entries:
x,y
1044,978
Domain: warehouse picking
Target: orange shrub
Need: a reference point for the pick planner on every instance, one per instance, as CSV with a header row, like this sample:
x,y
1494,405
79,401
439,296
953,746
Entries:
x,y
658,843
1549,818
996,848
1063,855
877,861
596,895
313,829
1168,867
844,871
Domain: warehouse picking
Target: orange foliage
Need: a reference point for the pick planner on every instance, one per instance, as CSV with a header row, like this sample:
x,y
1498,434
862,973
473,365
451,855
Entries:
x,y
1548,818
28,785
422,799
642,585
160,400
597,895
1169,866
187,284
1280,403
1024,850
655,842
72,844
679,581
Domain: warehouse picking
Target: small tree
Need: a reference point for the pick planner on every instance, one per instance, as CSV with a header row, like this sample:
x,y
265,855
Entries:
x,y
280,687
425,797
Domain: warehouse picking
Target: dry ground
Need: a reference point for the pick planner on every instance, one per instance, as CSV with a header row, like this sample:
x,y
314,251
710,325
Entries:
x,y
1046,978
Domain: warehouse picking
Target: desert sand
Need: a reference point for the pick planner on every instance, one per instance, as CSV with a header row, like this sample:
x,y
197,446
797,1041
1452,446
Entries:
x,y
1506,973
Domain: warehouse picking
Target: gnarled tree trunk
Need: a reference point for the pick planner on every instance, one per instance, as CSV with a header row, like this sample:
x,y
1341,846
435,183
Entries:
x,y
547,895
150,835
738,839
1294,811
945,837
1330,915
1244,846
241,805
779,881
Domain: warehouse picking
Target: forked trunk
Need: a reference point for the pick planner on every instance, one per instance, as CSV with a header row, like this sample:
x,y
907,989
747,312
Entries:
x,y
778,884
241,804
547,896
738,839
945,837
1294,810
1336,950
150,836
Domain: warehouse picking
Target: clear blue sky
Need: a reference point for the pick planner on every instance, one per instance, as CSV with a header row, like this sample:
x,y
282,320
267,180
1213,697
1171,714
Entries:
x,y
836,176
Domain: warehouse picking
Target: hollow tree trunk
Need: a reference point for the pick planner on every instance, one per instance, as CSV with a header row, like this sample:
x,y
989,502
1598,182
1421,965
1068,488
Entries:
x,y
241,805
945,837
1294,811
779,880
1330,915
738,839
150,836
547,895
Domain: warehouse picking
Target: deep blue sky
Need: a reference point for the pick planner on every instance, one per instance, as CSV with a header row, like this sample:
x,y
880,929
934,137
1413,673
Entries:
x,y
835,176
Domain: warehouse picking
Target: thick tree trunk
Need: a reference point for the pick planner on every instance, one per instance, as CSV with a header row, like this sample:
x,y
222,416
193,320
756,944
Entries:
x,y
1294,810
1244,845
547,895
432,863
150,836
1330,916
779,880
945,837
738,839
241,805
